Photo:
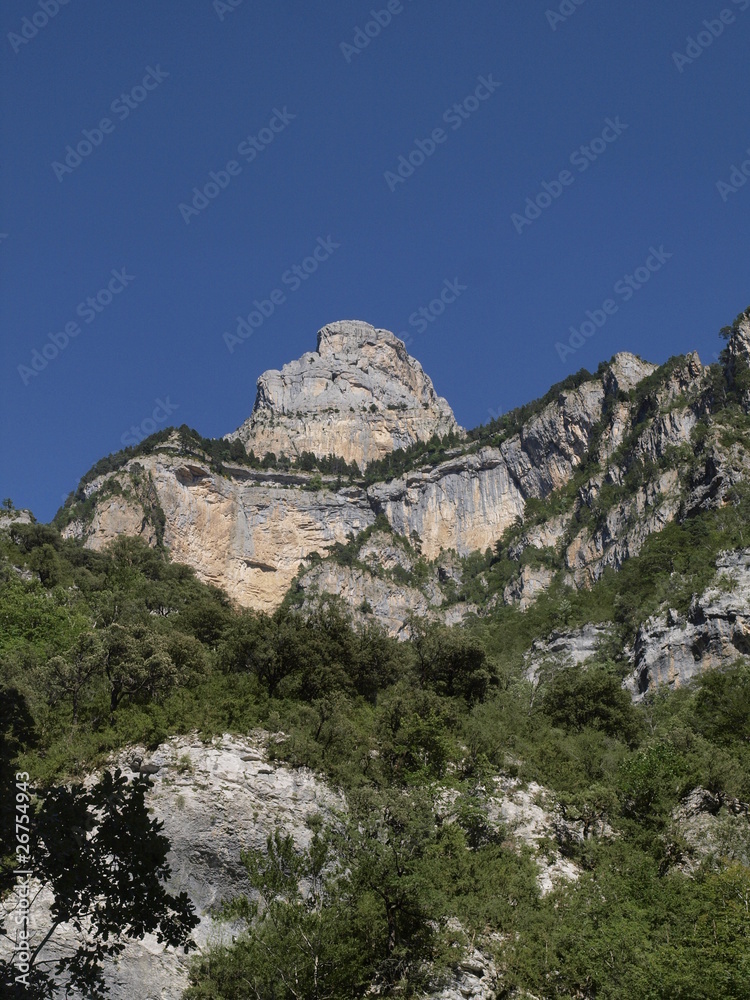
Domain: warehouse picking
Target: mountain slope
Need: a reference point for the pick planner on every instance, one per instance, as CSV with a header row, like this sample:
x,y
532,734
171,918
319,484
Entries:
x,y
566,487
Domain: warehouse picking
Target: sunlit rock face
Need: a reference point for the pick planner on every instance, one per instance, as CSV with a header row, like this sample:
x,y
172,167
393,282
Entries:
x,y
671,649
359,397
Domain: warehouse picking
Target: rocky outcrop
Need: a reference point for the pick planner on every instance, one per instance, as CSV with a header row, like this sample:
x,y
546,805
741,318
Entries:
x,y
737,357
530,582
359,396
370,598
214,801
220,798
386,581
474,978
8,518
561,648
670,650
625,528
467,502
249,531
712,824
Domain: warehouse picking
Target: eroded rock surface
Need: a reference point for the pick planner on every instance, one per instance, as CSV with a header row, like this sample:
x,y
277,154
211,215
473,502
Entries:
x,y
359,396
214,801
218,799
671,650
562,648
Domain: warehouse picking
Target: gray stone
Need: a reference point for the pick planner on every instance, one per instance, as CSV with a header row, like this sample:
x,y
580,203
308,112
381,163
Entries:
x,y
359,396
670,651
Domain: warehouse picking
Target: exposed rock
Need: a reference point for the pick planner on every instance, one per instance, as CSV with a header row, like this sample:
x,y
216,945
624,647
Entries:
x,y
546,535
573,647
528,815
737,356
467,503
388,582
247,532
214,802
370,597
713,825
524,589
671,651
218,799
8,518
624,530
627,370
531,816
359,396
475,978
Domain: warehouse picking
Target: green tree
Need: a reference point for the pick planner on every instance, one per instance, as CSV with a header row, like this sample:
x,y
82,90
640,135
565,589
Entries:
x,y
578,697
722,705
302,931
104,860
450,661
137,664
70,677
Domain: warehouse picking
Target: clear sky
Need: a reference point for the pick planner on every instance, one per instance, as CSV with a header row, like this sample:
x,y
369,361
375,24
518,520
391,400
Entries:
x,y
113,114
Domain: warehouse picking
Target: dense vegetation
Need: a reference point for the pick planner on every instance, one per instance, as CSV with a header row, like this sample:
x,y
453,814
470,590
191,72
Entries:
x,y
99,650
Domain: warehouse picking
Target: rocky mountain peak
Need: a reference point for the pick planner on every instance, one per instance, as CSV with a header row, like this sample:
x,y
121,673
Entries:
x,y
628,370
359,396
347,337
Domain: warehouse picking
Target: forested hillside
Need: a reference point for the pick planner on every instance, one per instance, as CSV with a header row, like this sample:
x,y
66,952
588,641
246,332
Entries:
x,y
647,842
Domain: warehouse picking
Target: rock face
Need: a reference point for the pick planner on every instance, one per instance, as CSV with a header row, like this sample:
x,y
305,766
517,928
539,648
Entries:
x,y
213,802
218,799
671,650
575,648
359,396
10,517
715,825
247,532
387,582
738,356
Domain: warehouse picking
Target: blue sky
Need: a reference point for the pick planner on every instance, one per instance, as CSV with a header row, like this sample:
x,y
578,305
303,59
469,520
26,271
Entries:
x,y
314,123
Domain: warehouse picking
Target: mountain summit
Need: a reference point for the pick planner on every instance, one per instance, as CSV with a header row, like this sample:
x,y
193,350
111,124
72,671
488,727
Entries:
x,y
359,396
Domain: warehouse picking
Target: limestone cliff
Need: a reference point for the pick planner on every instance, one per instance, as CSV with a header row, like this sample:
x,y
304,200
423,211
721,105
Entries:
x,y
247,532
670,650
614,452
250,531
220,798
359,397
